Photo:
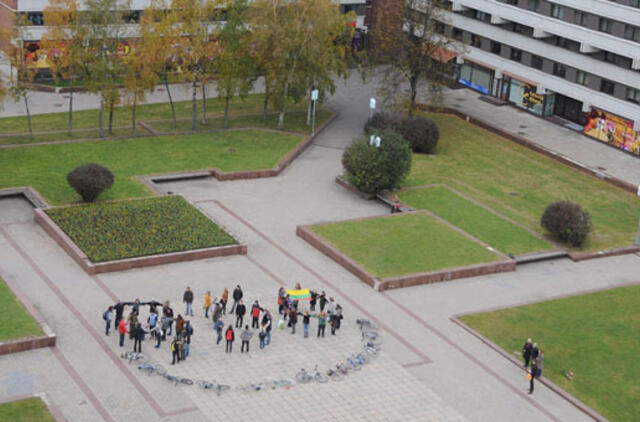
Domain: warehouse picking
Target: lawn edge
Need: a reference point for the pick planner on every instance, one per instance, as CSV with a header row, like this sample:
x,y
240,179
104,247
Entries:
x,y
51,408
551,385
48,337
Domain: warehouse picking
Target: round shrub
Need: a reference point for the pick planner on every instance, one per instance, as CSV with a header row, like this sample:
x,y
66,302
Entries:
x,y
421,132
372,169
90,180
380,120
567,222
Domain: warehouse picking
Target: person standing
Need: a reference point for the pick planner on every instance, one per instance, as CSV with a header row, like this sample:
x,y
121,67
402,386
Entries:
x,y
122,330
245,336
323,301
335,320
331,307
293,319
240,311
255,315
322,323
135,308
132,320
216,314
539,363
207,304
187,298
281,300
266,324
179,325
167,311
107,316
229,336
175,350
188,332
305,323
532,375
262,335
119,308
152,320
526,352
314,299
237,296
223,300
156,332
164,327
534,351
137,338
219,325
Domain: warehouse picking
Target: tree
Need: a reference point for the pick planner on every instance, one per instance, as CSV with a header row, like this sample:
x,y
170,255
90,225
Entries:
x,y
407,41
23,64
104,20
296,42
90,180
139,77
195,50
64,43
234,67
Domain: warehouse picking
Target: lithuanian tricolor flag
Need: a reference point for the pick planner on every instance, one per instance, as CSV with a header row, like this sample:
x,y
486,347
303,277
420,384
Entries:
x,y
301,294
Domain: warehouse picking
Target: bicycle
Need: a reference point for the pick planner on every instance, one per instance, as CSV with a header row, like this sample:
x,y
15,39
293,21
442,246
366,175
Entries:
x,y
131,356
152,368
317,376
354,363
371,349
285,383
365,324
344,369
335,374
305,377
178,380
218,388
372,337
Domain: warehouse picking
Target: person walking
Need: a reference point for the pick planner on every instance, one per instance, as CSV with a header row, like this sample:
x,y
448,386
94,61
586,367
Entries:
x,y
237,296
293,319
240,311
175,350
122,330
188,332
219,325
305,323
526,352
216,314
107,316
207,304
532,375
223,300
255,315
245,336
167,311
137,338
261,336
187,298
266,324
322,323
229,336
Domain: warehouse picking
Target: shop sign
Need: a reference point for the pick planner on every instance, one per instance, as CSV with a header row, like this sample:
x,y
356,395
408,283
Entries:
x,y
612,129
473,86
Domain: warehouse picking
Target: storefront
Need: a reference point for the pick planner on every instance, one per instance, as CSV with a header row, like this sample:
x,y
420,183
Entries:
x,y
476,77
569,109
613,130
524,95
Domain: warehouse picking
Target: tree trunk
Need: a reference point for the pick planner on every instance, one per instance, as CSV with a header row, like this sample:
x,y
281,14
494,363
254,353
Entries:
x,y
226,111
133,117
413,82
101,118
282,107
111,117
70,105
26,106
204,103
194,108
173,108
266,100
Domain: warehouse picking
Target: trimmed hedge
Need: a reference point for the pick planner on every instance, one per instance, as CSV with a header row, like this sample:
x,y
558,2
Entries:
x,y
90,180
372,169
380,120
421,132
108,231
567,222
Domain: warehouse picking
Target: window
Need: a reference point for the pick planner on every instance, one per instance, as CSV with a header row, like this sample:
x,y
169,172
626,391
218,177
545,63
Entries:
x,y
481,16
632,33
634,3
516,55
633,95
496,47
534,5
559,70
605,25
607,86
457,34
476,41
513,2
536,62
557,11
582,78
579,17
609,57
561,42
35,18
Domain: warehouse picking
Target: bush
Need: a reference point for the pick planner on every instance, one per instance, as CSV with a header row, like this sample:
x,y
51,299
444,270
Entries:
x,y
421,132
380,121
373,169
567,222
90,180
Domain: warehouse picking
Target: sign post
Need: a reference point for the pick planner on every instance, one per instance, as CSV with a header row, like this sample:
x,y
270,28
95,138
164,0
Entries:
x,y
314,98
372,107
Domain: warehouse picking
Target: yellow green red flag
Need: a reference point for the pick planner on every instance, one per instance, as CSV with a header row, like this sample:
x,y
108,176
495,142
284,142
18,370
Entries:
x,y
300,294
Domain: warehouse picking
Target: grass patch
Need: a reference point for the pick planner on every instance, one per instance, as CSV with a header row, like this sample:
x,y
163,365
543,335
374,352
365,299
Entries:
x,y
594,335
486,226
13,130
16,322
27,410
489,169
125,229
404,244
45,167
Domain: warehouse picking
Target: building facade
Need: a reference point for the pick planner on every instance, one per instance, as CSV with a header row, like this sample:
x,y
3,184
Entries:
x,y
574,61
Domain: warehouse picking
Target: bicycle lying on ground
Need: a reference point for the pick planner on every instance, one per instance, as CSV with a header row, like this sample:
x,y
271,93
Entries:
x,y
371,349
335,374
366,325
131,356
372,337
178,380
152,368
304,377
218,388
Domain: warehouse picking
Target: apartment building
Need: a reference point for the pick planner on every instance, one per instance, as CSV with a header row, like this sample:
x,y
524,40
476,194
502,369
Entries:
x,y
573,61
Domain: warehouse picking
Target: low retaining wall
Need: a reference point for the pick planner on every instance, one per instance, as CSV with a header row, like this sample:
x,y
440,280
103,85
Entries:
x,y
352,188
90,267
583,256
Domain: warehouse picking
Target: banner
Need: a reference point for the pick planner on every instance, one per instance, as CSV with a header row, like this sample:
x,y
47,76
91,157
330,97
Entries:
x,y
613,130
301,294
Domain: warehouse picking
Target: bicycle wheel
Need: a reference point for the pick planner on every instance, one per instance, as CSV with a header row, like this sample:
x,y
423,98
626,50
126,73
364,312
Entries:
x,y
372,337
362,357
353,364
303,377
372,351
206,385
336,376
160,370
186,381
320,378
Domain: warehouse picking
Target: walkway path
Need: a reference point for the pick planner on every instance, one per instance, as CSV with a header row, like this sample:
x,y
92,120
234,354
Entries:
x,y
430,369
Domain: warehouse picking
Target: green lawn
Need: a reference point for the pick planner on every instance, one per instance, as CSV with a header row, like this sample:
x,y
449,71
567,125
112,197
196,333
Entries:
x,y
16,322
520,183
593,335
28,410
486,226
88,119
45,167
404,244
124,229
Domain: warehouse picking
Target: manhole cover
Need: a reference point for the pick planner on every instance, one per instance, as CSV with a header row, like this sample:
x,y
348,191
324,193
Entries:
x,y
523,126
514,194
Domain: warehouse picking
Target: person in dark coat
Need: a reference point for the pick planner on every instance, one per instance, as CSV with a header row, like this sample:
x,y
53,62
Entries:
x,y
532,375
293,319
323,301
187,299
526,352
137,337
237,295
119,308
240,311
168,313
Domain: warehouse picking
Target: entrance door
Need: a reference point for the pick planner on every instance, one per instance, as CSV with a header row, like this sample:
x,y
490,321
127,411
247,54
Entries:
x,y
569,109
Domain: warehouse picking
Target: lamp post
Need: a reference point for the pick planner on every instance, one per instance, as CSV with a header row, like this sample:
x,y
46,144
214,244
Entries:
x,y
314,98
372,107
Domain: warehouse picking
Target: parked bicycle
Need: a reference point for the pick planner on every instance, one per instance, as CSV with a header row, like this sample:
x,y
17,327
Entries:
x,y
305,377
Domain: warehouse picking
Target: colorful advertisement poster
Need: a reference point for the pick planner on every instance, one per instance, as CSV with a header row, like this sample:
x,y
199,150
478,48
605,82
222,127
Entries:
x,y
613,130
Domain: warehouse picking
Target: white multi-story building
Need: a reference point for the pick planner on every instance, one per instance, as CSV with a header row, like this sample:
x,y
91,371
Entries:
x,y
574,61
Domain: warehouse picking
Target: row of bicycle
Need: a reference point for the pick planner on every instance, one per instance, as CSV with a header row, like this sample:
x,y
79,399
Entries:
x,y
370,337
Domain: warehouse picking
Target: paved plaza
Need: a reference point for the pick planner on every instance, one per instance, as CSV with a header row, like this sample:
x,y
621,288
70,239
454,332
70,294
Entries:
x,y
430,368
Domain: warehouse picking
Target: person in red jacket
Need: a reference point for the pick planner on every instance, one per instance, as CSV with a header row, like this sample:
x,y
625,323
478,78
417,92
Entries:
x,y
122,329
229,335
255,315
